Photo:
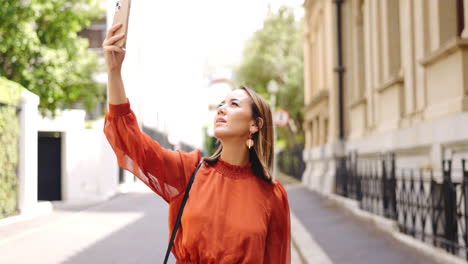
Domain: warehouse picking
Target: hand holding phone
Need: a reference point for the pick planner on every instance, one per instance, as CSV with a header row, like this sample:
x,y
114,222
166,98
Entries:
x,y
121,16
113,54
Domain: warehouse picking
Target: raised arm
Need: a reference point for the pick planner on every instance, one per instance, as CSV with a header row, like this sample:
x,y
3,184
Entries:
x,y
114,57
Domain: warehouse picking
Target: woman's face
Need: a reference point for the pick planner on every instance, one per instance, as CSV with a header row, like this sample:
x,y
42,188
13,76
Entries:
x,y
234,117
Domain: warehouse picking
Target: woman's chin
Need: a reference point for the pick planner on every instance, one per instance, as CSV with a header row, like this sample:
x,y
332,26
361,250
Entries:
x,y
220,133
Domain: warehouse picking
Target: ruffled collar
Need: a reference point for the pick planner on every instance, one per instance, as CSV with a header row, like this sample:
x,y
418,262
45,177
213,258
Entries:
x,y
233,171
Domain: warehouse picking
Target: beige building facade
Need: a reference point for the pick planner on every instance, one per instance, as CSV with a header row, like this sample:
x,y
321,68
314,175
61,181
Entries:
x,y
405,83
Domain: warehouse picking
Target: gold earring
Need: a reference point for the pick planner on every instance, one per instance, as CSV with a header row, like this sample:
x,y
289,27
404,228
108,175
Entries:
x,y
249,142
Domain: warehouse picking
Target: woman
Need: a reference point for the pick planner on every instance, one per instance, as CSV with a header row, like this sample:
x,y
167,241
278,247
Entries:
x,y
236,213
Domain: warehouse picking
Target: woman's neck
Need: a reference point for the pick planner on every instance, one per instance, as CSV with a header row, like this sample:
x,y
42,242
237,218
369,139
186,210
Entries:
x,y
235,153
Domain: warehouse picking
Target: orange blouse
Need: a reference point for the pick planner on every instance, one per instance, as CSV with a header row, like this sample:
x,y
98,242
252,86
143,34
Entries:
x,y
232,216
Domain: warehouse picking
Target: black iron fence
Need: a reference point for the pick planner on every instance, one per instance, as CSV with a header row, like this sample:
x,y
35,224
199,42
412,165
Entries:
x,y
290,162
429,205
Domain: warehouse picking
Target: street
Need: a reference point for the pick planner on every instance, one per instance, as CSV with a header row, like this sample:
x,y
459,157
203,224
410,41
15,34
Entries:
x,y
130,228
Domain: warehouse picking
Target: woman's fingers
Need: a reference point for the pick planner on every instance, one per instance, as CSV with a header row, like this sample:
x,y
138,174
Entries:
x,y
112,40
114,55
114,48
112,30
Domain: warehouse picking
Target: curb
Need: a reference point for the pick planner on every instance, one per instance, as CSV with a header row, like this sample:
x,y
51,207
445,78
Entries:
x,y
383,223
308,249
40,209
391,227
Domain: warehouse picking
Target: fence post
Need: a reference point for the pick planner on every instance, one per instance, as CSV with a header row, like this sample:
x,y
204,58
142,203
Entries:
x,y
393,187
349,177
412,190
354,168
338,178
450,206
384,186
465,197
434,209
343,176
422,192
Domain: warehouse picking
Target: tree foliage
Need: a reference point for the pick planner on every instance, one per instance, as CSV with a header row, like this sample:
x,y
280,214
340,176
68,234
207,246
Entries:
x,y
275,53
40,49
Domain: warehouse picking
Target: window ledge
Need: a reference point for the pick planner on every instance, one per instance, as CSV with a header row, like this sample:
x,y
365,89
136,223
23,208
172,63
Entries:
x,y
446,49
392,81
357,102
318,97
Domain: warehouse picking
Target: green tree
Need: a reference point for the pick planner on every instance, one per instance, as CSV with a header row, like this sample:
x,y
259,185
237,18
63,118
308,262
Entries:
x,y
41,50
275,52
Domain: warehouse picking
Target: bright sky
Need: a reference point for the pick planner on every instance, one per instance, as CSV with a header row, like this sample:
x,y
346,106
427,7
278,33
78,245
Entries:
x,y
218,28
169,44
231,23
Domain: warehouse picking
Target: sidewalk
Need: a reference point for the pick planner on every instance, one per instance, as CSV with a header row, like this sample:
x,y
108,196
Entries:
x,y
337,236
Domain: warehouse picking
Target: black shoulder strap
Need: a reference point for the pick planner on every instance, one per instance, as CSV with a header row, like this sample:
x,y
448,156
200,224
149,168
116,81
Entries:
x,y
181,210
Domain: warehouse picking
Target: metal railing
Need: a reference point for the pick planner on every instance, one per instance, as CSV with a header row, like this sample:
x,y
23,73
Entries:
x,y
290,162
430,206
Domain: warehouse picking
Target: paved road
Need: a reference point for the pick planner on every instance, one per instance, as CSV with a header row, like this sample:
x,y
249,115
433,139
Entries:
x,y
344,238
130,228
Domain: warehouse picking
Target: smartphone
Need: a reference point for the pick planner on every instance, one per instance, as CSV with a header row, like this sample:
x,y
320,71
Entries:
x,y
122,13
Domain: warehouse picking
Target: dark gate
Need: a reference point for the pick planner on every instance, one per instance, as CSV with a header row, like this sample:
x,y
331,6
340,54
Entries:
x,y
49,166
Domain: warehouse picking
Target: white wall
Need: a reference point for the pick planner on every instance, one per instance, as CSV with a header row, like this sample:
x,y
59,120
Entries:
x,y
27,165
89,167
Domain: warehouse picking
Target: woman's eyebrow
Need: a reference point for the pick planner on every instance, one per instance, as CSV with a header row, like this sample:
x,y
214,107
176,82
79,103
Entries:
x,y
232,99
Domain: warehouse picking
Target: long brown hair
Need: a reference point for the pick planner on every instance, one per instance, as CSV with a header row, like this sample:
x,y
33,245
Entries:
x,y
261,155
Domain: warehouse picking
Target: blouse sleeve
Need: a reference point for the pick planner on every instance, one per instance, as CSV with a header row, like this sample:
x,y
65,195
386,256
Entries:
x,y
278,244
164,171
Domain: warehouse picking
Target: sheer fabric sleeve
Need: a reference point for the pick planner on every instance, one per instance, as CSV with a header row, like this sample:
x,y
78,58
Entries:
x,y
164,171
278,244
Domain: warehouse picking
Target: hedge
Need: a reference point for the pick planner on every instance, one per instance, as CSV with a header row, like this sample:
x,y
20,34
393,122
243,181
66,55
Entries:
x,y
10,94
